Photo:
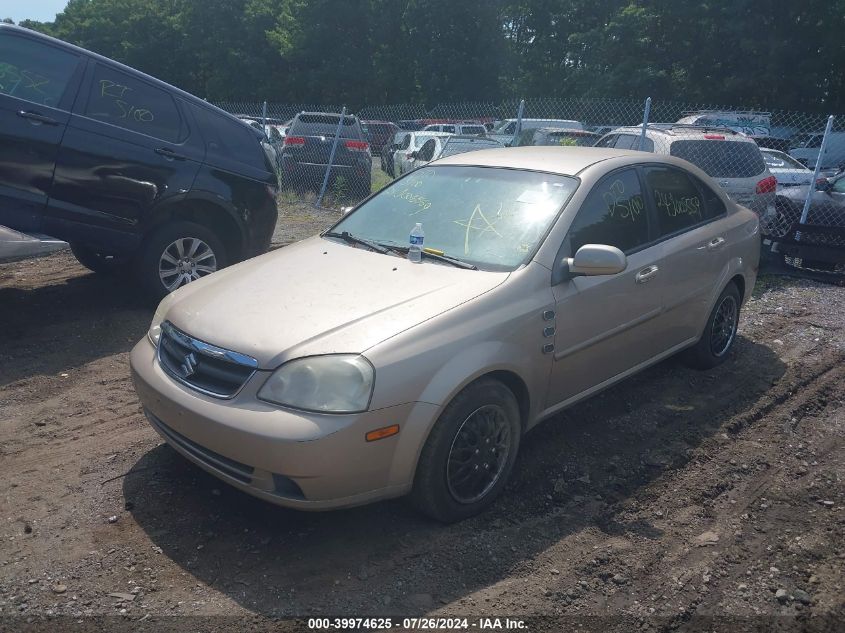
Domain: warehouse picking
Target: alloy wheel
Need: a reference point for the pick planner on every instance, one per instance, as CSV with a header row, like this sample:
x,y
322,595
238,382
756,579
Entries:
x,y
723,330
478,454
185,260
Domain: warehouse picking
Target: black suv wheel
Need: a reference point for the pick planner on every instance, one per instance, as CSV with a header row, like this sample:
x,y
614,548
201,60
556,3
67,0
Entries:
x,y
177,254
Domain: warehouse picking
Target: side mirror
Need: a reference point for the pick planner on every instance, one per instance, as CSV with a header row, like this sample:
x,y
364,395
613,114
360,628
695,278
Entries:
x,y
345,210
413,155
596,259
823,184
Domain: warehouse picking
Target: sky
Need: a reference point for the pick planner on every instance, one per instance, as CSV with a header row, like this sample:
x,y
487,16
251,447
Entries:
x,y
41,10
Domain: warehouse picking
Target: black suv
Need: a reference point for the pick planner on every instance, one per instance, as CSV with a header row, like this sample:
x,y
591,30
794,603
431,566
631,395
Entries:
x,y
308,146
134,173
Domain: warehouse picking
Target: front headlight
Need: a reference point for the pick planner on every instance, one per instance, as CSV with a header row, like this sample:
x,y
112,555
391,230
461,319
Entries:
x,y
154,333
338,383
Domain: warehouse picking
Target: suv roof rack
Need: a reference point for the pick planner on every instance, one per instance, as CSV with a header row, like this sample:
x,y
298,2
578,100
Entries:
x,y
717,111
671,127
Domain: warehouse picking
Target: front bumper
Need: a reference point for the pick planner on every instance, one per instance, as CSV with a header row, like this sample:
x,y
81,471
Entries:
x,y
296,459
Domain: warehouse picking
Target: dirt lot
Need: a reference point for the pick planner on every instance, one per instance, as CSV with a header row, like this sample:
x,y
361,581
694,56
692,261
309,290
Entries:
x,y
673,497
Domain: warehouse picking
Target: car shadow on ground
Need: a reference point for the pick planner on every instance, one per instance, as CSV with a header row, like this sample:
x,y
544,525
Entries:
x,y
67,320
384,558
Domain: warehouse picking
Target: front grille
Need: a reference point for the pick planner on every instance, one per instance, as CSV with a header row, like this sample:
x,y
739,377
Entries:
x,y
207,368
227,466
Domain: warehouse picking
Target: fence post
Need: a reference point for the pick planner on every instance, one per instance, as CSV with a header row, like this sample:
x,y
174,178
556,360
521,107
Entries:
x,y
331,157
646,114
812,188
518,129
264,120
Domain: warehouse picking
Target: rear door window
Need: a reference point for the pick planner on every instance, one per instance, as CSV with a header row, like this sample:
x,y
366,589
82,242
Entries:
x,y
721,159
676,198
714,206
614,213
35,72
122,100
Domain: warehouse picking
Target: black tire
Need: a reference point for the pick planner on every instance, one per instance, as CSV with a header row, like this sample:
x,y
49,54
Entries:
x,y
98,262
210,254
438,490
719,334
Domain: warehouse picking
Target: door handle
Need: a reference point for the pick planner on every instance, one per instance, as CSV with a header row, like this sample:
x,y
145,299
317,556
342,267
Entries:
x,y
647,274
169,154
36,118
715,243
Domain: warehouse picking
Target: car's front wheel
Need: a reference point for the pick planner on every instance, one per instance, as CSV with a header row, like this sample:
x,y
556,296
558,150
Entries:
x,y
719,333
469,454
177,254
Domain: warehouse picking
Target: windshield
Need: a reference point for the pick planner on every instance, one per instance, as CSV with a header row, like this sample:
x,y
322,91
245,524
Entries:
x,y
782,161
491,217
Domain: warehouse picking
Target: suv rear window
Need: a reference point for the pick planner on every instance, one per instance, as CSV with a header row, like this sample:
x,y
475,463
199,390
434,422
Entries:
x,y
721,159
324,125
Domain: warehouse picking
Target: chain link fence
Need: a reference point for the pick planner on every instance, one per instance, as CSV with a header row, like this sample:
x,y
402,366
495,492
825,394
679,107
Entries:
x,y
768,161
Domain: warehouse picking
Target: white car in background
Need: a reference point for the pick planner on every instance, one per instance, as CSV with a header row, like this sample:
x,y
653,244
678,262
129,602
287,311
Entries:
x,y
403,159
788,171
474,129
435,148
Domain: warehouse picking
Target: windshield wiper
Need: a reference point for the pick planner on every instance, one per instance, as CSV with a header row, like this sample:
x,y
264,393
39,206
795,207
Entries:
x,y
440,257
351,239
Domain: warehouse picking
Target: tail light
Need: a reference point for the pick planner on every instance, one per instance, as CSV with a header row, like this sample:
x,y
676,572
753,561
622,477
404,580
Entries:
x,y
357,146
715,137
294,140
767,185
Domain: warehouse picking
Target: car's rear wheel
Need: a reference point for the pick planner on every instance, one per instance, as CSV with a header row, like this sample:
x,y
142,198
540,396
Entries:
x,y
719,333
469,454
97,262
177,254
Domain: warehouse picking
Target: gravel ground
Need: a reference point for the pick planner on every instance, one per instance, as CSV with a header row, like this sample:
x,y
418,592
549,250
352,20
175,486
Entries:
x,y
673,498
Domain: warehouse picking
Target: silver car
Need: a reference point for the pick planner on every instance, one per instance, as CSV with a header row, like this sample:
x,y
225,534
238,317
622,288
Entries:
x,y
337,372
731,158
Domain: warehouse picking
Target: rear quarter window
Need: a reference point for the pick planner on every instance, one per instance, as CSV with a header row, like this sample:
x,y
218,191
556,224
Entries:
x,y
721,159
228,139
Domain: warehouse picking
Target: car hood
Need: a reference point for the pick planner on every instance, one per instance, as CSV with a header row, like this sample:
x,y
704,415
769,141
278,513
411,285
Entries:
x,y
319,297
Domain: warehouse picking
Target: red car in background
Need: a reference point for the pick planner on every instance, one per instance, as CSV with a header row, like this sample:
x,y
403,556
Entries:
x,y
379,134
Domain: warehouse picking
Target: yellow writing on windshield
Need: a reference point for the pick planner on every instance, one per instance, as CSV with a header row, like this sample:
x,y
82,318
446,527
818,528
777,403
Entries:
x,y
483,226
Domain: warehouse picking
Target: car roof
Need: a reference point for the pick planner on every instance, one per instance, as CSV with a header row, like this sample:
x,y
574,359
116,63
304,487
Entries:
x,y
566,161
683,130
128,69
565,130
472,138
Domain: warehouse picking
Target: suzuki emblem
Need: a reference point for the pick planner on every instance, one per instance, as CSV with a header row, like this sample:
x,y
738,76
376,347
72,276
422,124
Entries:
x,y
189,365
